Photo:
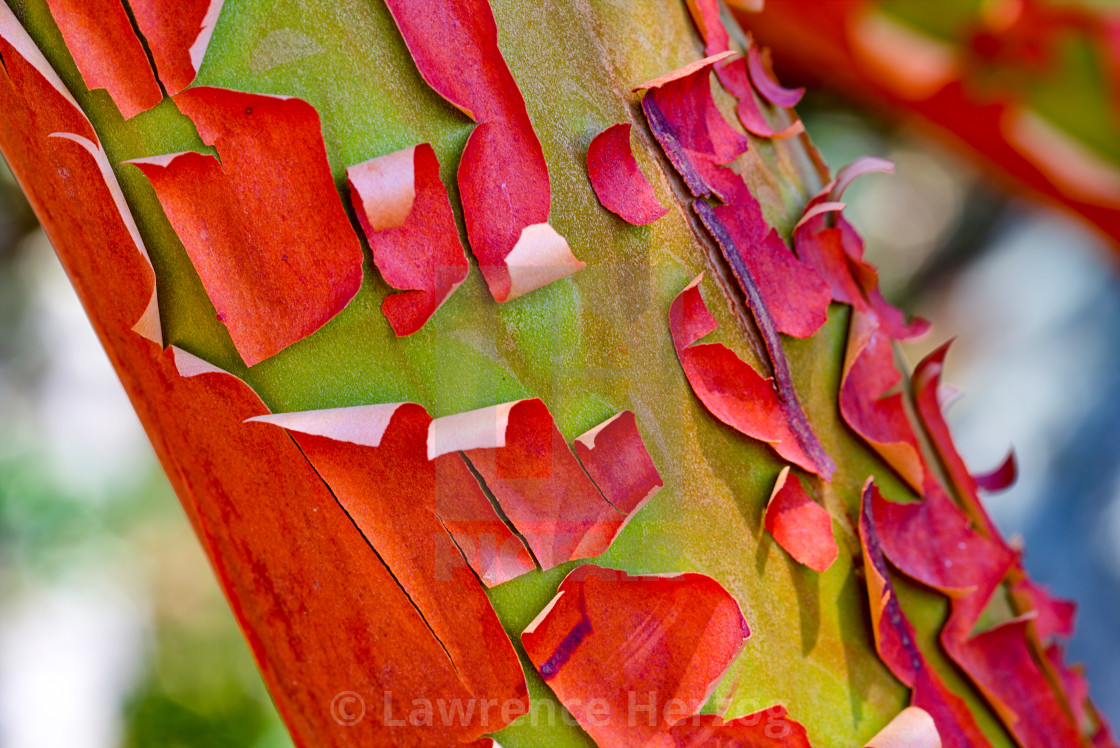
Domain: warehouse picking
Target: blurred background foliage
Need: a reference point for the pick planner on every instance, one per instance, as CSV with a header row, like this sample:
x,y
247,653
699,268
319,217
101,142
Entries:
x,y
114,632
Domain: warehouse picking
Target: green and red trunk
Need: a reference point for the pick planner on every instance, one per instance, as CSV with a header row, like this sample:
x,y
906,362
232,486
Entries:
x,y
385,558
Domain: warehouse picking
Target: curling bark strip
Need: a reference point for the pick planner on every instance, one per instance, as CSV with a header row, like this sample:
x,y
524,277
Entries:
x,y
618,182
503,178
729,387
403,209
264,226
630,655
108,53
177,33
898,648
540,485
868,405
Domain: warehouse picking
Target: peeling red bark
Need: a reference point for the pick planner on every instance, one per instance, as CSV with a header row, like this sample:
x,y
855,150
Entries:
x,y
624,689
403,209
272,284
524,461
618,182
729,387
799,525
107,52
299,576
177,33
503,178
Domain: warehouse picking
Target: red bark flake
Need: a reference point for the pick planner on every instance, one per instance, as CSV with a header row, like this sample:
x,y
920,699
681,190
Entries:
x,y
322,614
618,182
925,386
503,178
910,728
445,488
537,481
1053,616
933,542
732,73
271,283
403,208
768,728
729,387
107,52
869,407
756,123
800,525
690,128
177,32
837,253
898,649
374,459
794,294
631,655
706,16
999,478
766,84
616,459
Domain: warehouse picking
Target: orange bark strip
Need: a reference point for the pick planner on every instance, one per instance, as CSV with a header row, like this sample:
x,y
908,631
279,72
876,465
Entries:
x,y
107,52
177,32
56,131
631,655
503,178
395,496
618,182
403,209
616,459
300,578
799,525
271,283
524,461
706,16
729,387
878,417
897,647
323,614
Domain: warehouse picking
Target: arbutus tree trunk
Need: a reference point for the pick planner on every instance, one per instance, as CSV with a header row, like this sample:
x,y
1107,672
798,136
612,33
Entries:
x,y
500,448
